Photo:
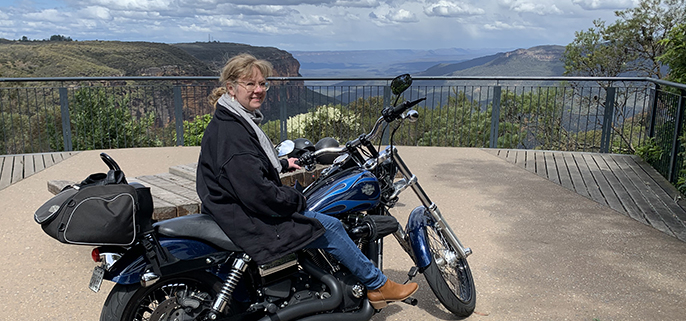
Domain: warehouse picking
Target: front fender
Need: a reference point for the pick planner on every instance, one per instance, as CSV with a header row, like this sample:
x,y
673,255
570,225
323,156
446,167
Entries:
x,y
131,266
416,232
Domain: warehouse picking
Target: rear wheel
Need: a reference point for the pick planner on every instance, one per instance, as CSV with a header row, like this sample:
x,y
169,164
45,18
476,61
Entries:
x,y
449,275
186,294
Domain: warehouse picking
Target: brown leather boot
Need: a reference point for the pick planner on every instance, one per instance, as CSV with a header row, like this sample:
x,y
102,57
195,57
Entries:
x,y
390,292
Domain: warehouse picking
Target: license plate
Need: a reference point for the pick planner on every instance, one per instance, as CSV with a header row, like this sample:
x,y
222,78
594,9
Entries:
x,y
96,279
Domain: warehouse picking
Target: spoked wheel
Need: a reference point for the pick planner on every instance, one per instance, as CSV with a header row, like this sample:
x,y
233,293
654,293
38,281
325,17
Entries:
x,y
180,297
449,275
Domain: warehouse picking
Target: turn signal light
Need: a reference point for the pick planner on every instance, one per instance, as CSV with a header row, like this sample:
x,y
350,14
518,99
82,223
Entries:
x,y
95,255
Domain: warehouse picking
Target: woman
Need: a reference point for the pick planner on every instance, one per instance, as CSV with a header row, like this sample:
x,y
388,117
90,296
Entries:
x,y
239,185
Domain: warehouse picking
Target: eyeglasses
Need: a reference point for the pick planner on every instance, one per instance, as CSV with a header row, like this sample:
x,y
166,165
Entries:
x,y
250,86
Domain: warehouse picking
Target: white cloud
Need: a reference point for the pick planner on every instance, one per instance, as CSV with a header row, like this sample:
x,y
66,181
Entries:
x,y
219,21
195,28
279,2
313,20
445,8
499,25
312,24
125,15
49,15
402,15
95,12
604,4
5,21
263,10
531,6
394,16
357,3
142,5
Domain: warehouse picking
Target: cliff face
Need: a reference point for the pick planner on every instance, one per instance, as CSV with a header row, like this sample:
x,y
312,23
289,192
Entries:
x,y
215,55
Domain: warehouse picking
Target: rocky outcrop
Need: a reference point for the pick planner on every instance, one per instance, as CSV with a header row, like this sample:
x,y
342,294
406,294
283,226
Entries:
x,y
535,61
540,53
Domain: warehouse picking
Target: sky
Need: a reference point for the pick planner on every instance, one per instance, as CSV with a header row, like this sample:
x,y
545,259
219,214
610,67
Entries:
x,y
312,25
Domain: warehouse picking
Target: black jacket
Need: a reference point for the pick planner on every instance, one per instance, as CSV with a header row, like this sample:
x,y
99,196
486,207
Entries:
x,y
240,188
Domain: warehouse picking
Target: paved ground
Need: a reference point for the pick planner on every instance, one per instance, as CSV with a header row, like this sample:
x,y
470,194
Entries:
x,y
541,252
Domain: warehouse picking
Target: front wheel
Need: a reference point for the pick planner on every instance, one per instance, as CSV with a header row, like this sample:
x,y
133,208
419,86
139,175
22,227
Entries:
x,y
449,275
183,296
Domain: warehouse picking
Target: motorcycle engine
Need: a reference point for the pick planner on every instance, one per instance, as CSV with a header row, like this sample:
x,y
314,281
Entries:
x,y
285,285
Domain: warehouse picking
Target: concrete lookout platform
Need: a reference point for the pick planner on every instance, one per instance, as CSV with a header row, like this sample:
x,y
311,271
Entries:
x,y
541,251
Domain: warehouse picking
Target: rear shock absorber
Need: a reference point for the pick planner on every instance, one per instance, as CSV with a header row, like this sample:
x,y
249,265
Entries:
x,y
224,296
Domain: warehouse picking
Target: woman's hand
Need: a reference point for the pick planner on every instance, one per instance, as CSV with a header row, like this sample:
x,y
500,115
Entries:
x,y
292,165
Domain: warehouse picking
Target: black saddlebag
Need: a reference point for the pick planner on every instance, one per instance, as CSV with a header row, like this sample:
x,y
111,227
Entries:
x,y
98,214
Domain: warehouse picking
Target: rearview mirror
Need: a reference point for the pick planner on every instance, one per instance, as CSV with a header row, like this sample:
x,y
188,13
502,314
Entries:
x,y
285,147
400,84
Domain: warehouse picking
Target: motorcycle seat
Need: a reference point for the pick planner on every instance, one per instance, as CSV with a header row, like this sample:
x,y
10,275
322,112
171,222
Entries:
x,y
197,226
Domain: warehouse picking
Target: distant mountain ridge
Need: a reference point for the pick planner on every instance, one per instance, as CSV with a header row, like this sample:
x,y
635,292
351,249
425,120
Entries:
x,y
115,58
379,63
539,61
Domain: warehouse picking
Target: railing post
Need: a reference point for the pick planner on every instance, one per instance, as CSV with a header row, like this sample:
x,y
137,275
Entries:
x,y
673,170
495,117
66,122
283,113
386,100
607,120
178,114
653,110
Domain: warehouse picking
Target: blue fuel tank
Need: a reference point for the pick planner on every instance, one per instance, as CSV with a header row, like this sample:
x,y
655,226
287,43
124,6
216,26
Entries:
x,y
351,190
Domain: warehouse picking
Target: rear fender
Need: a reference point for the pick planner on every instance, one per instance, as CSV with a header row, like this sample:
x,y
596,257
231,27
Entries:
x,y
131,266
416,225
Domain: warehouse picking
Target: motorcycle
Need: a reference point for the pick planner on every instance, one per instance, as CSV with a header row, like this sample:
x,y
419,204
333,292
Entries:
x,y
186,268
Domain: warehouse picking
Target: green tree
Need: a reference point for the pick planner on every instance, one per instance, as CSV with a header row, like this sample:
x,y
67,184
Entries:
x,y
675,54
629,46
194,130
59,38
461,122
594,53
528,119
14,133
633,43
341,122
25,127
101,120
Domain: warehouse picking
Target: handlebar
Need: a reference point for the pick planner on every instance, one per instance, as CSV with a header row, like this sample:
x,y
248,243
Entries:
x,y
392,113
308,159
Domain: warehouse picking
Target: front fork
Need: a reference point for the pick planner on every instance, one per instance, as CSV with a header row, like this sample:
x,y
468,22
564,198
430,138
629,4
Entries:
x,y
414,240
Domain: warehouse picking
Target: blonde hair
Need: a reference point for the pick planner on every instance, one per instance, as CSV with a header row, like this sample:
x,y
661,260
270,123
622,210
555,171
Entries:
x,y
238,67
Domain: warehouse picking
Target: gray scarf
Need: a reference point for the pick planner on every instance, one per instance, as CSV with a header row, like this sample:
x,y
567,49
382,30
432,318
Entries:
x,y
254,119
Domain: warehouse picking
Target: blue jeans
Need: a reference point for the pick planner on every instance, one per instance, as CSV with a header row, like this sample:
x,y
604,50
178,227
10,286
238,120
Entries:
x,y
337,242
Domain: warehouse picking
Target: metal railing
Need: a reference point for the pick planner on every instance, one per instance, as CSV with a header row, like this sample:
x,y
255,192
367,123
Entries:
x,y
617,115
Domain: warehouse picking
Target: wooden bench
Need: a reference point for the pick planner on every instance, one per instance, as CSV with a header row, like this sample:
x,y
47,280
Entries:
x,y
174,192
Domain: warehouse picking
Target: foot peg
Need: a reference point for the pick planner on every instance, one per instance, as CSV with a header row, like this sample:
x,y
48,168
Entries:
x,y
411,274
411,301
